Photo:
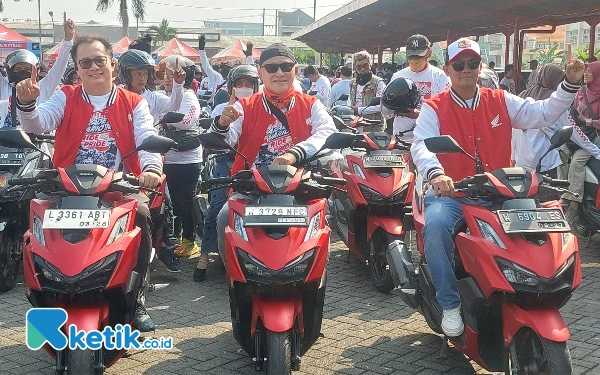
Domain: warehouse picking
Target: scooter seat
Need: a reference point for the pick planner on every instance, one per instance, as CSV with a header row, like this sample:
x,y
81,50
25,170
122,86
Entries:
x,y
594,165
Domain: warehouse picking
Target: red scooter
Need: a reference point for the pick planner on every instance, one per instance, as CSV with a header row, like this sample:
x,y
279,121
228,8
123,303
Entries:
x,y
373,209
516,264
277,246
81,249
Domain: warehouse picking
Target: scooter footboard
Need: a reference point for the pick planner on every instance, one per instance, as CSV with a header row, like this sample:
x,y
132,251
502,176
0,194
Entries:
x,y
277,315
546,322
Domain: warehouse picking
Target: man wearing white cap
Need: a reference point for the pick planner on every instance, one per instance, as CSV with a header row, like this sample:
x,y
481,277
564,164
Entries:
x,y
481,121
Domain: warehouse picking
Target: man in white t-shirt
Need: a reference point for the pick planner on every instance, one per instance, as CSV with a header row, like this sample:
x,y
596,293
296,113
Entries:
x,y
341,89
429,80
320,86
508,82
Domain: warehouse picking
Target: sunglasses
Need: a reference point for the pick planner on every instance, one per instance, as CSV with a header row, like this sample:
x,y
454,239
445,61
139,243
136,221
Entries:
x,y
473,64
87,63
365,66
273,68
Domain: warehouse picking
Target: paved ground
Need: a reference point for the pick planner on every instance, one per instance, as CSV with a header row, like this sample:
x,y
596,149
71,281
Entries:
x,y
365,332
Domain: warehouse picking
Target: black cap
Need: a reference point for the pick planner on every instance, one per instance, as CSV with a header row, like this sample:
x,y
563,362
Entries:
x,y
417,45
143,43
277,49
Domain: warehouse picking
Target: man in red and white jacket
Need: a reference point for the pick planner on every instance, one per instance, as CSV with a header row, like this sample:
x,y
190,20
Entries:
x,y
98,123
481,121
250,123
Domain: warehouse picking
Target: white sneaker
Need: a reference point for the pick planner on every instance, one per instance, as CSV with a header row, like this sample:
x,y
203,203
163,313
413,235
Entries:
x,y
452,323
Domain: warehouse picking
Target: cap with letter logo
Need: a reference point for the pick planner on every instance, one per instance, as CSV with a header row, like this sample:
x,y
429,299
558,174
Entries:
x,y
417,45
462,45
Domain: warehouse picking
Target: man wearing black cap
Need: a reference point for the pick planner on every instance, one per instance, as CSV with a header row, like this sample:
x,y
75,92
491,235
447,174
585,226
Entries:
x,y
429,79
276,126
143,43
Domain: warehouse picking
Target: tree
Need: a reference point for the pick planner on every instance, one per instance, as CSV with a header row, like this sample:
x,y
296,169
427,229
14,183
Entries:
x,y
162,32
583,53
139,11
304,56
400,57
550,55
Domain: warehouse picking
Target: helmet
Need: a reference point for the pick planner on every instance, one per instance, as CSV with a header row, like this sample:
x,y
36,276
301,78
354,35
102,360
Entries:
x,y
344,112
19,56
401,95
220,97
135,59
188,66
489,78
242,71
68,75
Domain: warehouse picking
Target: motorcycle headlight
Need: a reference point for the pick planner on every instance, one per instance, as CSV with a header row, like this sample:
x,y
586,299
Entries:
x,y
313,226
300,265
38,230
371,196
28,167
118,230
358,171
565,266
399,195
489,233
254,266
294,271
238,226
516,274
101,270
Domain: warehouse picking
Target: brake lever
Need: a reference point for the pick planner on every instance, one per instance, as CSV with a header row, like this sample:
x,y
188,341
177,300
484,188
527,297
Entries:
x,y
560,190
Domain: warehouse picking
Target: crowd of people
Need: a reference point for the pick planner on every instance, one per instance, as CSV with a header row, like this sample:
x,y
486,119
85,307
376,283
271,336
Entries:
x,y
275,114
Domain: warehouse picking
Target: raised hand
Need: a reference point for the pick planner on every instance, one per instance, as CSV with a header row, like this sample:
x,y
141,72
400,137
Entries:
x,y
201,42
178,73
28,90
69,27
248,50
230,113
575,68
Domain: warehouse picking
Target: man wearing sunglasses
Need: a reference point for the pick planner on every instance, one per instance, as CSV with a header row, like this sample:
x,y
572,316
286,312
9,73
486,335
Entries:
x,y
276,126
365,87
97,123
481,121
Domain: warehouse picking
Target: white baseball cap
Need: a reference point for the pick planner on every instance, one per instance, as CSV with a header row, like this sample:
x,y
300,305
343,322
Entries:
x,y
462,45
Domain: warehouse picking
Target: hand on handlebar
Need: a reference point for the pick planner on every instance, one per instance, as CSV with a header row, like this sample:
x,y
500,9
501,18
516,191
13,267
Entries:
x,y
442,186
149,180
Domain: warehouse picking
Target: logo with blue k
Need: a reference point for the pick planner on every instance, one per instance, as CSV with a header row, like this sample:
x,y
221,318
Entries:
x,y
44,326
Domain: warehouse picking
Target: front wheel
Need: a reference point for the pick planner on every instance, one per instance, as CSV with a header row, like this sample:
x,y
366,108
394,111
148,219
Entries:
x,y
531,354
10,250
380,270
82,362
279,353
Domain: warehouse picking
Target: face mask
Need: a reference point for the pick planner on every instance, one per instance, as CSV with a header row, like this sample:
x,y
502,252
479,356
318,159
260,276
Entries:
x,y
363,79
20,76
243,92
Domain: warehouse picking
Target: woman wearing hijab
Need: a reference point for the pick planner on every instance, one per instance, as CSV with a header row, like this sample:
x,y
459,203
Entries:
x,y
587,108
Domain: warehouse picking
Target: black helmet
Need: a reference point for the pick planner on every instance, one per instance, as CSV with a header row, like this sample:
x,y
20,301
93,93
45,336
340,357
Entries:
x,y
242,71
344,112
135,59
219,98
19,56
401,95
188,66
68,75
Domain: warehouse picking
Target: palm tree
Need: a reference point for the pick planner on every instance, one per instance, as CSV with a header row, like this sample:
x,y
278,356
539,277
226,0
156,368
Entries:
x,y
162,32
139,11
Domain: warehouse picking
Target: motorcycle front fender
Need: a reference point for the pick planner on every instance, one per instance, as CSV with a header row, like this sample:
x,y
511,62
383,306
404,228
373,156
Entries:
x,y
277,315
87,318
391,225
546,322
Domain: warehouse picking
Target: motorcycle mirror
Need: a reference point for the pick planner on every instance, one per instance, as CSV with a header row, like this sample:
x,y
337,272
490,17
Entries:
x,y
343,97
339,123
17,138
203,103
375,101
444,144
157,144
172,118
339,140
205,123
559,138
212,141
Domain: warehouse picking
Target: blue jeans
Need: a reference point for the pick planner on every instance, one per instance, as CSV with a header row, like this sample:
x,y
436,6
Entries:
x,y
443,218
217,198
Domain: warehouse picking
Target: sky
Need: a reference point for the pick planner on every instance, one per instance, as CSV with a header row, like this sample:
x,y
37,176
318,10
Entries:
x,y
181,13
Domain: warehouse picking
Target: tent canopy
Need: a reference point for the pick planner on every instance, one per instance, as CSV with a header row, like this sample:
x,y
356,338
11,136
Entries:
x,y
121,46
177,47
234,53
52,54
7,34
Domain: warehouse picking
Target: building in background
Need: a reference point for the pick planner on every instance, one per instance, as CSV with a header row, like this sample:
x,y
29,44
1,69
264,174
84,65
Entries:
x,y
237,28
290,22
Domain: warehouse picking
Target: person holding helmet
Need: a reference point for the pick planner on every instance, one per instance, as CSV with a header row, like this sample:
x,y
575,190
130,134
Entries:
x,y
242,79
20,64
183,167
400,96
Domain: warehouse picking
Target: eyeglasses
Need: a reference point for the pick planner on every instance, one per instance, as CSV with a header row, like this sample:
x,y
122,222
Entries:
x,y
365,66
87,63
273,68
459,66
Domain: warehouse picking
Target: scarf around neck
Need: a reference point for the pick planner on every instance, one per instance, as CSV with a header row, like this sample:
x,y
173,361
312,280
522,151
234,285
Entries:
x,y
280,101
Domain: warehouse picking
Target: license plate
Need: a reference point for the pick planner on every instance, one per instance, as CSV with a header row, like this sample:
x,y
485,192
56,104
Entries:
x,y
11,158
76,219
276,216
380,161
538,220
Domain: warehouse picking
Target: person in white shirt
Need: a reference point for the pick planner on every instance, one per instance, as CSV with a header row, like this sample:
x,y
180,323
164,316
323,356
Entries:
x,y
341,89
215,79
320,86
508,81
429,80
365,87
533,65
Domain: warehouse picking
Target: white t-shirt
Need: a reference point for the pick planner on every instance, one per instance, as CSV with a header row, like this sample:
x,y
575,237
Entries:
x,y
430,82
337,90
358,103
510,83
322,89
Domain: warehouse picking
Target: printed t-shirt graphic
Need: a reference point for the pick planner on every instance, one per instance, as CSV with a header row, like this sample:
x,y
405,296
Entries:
x,y
98,145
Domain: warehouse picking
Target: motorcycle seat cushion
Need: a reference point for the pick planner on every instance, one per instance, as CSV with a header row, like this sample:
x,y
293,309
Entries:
x,y
594,165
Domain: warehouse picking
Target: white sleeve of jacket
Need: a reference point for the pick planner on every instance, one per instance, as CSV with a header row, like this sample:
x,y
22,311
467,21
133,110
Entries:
x,y
54,77
190,107
578,136
428,125
233,132
322,127
143,127
43,118
374,108
249,60
164,103
531,114
214,78
334,95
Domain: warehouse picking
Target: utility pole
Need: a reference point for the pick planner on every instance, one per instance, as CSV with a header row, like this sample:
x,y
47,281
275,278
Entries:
x,y
263,19
315,12
40,24
276,22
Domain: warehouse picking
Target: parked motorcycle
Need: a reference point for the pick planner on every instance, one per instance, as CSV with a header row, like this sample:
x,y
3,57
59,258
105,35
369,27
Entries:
x,y
14,207
81,249
371,211
589,210
277,245
516,264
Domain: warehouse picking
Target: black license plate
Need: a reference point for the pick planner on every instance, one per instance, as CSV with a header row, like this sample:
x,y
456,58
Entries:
x,y
11,158
383,161
538,220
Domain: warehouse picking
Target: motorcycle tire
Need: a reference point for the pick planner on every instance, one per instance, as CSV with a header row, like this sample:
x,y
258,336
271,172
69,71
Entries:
x,y
9,264
529,350
279,353
82,362
378,267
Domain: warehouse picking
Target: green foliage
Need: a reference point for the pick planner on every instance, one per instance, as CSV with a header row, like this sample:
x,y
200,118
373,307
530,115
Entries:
x,y
304,56
550,56
162,32
583,53
400,57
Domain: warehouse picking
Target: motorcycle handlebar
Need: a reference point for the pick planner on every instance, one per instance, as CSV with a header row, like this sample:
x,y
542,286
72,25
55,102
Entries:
x,y
556,182
22,181
131,179
47,137
464,183
329,180
219,181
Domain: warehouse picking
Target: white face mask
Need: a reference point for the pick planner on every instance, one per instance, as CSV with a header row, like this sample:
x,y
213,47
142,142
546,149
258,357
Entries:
x,y
243,92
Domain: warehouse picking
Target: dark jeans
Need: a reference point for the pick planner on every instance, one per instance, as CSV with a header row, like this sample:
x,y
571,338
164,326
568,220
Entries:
x,y
217,198
143,220
182,180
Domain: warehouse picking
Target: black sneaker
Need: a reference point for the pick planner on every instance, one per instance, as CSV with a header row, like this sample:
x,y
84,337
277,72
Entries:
x,y
199,275
171,243
170,260
143,322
